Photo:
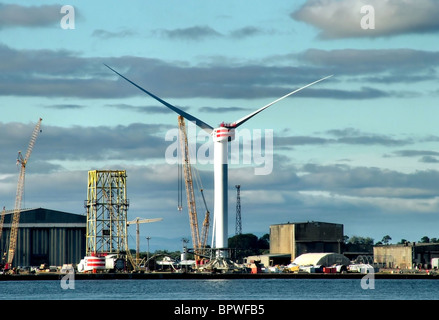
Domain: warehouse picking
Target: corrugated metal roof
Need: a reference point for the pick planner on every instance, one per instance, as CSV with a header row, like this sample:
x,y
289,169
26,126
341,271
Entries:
x,y
45,216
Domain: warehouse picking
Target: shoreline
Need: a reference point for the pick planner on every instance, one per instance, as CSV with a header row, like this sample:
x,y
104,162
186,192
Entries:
x,y
207,276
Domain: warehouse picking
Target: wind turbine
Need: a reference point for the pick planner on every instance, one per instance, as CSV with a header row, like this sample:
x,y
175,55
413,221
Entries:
x,y
221,136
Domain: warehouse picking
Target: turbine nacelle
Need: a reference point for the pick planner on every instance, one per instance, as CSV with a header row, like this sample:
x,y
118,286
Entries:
x,y
223,133
228,125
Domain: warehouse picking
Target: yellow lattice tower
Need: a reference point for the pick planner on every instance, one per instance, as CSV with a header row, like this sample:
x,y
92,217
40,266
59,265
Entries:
x,y
107,207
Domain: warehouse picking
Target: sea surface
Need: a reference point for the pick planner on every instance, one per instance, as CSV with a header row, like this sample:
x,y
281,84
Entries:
x,y
221,289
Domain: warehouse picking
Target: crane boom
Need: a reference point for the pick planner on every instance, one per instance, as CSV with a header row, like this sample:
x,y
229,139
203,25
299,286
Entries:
x,y
137,220
19,195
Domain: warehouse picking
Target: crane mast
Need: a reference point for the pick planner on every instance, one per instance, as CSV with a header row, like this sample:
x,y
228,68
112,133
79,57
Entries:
x,y
19,195
206,224
2,222
192,210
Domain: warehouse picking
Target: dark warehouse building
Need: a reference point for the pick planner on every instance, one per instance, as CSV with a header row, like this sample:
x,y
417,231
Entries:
x,y
46,236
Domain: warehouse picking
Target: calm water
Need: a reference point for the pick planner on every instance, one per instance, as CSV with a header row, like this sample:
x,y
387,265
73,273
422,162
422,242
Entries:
x,y
233,289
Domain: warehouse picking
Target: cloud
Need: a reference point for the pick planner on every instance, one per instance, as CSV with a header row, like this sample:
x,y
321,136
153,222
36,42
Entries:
x,y
348,136
222,109
342,18
142,109
426,156
370,182
373,61
62,73
415,153
13,15
354,136
58,145
104,34
201,33
246,32
195,33
65,106
429,159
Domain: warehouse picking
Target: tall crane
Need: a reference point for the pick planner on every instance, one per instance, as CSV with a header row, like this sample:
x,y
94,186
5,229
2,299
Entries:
x,y
20,188
199,242
192,210
137,221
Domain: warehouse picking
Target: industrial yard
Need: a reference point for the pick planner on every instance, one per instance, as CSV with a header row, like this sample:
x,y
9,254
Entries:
x,y
44,243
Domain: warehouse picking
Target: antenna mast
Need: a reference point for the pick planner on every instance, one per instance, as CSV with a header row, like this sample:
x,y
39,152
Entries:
x,y
238,229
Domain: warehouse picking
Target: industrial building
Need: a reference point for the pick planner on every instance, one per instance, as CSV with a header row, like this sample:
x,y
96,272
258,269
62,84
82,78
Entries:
x,y
305,237
406,256
46,237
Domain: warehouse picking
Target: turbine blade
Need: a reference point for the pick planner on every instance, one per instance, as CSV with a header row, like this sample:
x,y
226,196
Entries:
x,y
242,120
186,115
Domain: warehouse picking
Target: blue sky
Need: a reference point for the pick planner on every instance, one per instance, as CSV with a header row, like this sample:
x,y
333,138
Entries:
x,y
359,148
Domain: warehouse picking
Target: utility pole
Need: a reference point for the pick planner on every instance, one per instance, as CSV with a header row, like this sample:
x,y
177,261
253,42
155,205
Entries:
x,y
147,254
238,229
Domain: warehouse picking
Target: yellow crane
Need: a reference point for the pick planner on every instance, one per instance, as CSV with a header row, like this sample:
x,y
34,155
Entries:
x,y
2,222
137,221
20,188
199,244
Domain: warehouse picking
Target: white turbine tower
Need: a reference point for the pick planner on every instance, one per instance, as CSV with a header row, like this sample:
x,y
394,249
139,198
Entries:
x,y
221,136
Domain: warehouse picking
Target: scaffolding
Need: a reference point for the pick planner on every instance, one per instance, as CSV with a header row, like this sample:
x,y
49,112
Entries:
x,y
107,207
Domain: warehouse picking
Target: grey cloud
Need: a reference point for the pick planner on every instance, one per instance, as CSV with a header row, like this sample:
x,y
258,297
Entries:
x,y
245,32
373,61
197,33
341,180
362,181
142,109
354,136
104,34
65,106
429,159
192,33
342,136
12,15
342,18
124,143
426,156
222,109
61,73
301,140
415,153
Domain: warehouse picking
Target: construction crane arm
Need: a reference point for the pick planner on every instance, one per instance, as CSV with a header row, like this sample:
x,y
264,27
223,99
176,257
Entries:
x,y
137,220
